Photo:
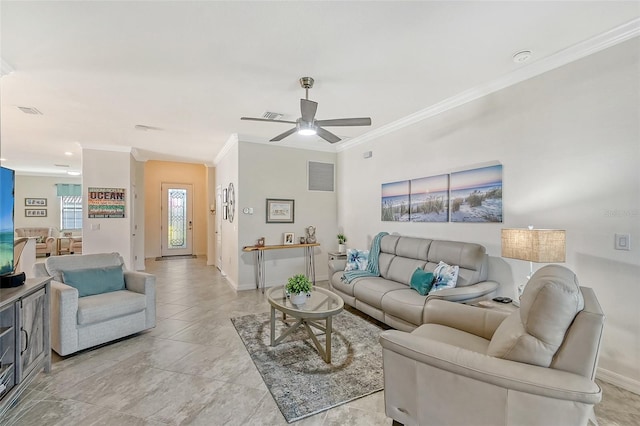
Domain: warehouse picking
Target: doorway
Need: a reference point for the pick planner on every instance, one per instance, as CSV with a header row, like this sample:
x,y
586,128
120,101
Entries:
x,y
177,219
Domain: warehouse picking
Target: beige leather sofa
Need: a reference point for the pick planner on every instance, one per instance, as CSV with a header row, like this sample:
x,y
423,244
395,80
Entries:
x,y
389,298
47,244
474,366
82,322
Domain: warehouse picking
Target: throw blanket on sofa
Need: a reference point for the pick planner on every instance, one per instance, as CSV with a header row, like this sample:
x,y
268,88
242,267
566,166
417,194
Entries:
x,y
372,267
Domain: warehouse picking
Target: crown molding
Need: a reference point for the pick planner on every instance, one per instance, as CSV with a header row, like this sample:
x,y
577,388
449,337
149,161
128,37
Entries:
x,y
233,139
580,50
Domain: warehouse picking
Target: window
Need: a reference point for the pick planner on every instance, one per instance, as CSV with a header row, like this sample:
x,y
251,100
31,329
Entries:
x,y
71,212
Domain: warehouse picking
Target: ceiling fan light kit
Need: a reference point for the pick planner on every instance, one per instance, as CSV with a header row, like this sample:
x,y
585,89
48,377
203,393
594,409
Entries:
x,y
307,123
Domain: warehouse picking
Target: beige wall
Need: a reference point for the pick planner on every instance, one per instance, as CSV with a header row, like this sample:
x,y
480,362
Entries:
x,y
158,172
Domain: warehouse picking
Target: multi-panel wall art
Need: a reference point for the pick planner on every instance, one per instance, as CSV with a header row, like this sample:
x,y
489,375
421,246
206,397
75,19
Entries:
x,y
468,196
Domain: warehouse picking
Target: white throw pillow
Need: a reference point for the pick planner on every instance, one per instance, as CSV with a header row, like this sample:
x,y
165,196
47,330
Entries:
x,y
357,260
444,276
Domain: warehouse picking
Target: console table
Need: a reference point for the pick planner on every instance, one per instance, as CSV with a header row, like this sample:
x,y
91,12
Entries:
x,y
25,345
309,262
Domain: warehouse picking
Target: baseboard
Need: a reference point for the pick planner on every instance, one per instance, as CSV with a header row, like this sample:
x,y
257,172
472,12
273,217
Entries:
x,y
618,380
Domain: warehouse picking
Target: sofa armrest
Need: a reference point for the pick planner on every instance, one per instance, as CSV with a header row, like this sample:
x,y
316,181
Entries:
x,y
470,293
64,314
143,283
478,321
496,371
336,265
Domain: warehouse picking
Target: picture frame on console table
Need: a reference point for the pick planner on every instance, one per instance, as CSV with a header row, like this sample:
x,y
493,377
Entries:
x,y
289,238
280,210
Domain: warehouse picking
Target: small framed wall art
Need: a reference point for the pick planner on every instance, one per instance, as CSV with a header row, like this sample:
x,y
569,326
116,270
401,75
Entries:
x,y
35,202
280,211
35,212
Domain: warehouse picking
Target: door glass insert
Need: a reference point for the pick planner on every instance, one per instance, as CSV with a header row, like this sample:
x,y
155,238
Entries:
x,y
177,201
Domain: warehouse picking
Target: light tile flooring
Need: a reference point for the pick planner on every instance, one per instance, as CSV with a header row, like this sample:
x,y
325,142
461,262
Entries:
x,y
193,369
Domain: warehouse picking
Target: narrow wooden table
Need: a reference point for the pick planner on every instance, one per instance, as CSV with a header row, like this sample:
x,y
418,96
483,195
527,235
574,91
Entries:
x,y
309,264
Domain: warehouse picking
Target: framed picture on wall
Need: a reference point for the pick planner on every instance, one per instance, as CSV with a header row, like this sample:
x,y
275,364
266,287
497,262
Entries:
x,y
35,212
36,202
280,211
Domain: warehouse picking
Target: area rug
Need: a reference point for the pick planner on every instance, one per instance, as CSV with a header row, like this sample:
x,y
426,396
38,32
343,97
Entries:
x,y
301,383
186,256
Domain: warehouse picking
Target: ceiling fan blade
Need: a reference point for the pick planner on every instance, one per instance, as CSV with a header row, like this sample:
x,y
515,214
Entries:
x,y
283,135
361,121
308,109
266,119
327,135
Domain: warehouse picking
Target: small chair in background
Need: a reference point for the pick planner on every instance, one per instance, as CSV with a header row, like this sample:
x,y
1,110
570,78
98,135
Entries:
x,y
75,245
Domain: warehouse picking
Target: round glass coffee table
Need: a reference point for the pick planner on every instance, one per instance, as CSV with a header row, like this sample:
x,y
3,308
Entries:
x,y
321,305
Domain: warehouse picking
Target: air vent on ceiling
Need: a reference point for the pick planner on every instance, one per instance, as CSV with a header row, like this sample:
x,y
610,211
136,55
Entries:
x,y
30,110
272,115
61,165
320,176
145,128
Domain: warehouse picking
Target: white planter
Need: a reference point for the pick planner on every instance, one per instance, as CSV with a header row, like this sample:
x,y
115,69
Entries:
x,y
342,248
299,299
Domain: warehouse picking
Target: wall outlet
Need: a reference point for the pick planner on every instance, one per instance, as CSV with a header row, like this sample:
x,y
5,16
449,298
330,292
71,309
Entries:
x,y
623,242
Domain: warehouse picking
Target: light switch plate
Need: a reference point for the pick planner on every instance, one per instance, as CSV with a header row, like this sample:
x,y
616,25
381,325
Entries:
x,y
623,241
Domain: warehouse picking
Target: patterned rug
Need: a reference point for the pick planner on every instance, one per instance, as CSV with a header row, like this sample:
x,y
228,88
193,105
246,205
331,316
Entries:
x,y
301,383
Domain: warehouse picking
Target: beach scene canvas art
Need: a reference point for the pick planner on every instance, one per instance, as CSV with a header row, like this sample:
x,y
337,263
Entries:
x,y
395,201
6,221
430,199
476,195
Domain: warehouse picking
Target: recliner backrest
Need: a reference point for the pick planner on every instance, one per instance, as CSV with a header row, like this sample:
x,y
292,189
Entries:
x,y
56,264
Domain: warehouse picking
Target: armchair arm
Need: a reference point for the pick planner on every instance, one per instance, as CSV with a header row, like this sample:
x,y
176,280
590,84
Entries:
x,y
478,321
51,242
64,313
496,371
468,293
143,283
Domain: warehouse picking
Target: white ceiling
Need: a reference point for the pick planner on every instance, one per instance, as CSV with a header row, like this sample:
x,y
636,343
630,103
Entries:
x,y
192,69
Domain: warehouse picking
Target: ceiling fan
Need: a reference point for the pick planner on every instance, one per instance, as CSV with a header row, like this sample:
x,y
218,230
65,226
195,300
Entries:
x,y
307,123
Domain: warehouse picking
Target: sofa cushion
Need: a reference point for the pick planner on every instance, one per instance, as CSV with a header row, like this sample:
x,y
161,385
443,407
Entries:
x,y
405,304
421,281
101,307
470,257
55,264
414,248
401,269
549,304
339,284
371,290
92,281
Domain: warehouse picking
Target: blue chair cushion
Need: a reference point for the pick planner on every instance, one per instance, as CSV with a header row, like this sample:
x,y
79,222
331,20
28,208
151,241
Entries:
x,y
92,281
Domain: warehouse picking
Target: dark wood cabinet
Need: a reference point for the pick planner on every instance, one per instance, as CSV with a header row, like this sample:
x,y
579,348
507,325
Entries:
x,y
25,346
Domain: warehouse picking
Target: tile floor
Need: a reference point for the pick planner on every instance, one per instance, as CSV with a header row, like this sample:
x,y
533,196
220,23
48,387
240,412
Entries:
x,y
193,369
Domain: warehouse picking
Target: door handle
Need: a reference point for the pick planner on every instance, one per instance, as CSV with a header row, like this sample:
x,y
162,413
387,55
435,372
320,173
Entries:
x,y
26,346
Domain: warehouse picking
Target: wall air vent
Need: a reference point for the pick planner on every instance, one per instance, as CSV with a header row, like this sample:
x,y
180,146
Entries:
x,y
272,115
30,110
320,176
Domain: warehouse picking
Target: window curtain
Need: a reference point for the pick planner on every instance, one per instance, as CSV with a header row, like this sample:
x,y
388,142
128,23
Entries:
x,y
69,189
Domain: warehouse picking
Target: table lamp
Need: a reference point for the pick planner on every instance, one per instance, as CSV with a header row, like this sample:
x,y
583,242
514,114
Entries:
x,y
534,245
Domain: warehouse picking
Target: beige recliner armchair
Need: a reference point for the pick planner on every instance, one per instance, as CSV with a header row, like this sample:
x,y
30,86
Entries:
x,y
45,243
474,366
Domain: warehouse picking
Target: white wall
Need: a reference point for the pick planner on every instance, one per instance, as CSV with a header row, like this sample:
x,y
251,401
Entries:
x,y
271,171
39,187
108,169
227,170
569,141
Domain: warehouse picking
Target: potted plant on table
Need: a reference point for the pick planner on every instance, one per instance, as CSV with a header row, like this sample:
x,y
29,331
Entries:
x,y
341,240
298,287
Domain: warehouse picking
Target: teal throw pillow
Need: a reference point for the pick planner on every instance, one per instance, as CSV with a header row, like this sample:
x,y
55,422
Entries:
x,y
421,281
92,281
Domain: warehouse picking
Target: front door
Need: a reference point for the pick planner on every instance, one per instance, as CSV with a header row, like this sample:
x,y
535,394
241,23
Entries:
x,y
177,220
